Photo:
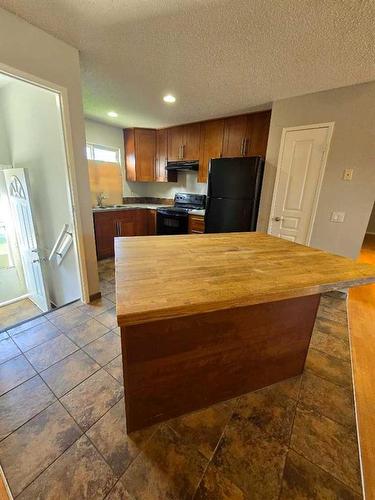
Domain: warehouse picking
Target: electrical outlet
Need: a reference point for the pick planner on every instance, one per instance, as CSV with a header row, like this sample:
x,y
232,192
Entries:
x,y
337,216
105,196
348,174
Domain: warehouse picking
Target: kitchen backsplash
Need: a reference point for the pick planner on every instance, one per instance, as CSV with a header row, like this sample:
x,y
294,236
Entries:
x,y
147,199
187,183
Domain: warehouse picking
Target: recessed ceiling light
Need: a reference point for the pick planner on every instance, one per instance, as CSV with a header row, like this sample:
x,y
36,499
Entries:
x,y
112,114
169,98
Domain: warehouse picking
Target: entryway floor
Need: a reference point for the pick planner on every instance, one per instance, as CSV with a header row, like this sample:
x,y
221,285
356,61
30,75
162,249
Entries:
x,y
17,312
62,420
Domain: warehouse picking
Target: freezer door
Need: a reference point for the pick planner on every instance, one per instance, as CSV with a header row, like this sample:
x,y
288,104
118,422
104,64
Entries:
x,y
237,178
227,216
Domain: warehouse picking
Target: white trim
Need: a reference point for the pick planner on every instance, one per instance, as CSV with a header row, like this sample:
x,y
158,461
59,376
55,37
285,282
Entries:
x,y
62,94
17,299
369,232
329,126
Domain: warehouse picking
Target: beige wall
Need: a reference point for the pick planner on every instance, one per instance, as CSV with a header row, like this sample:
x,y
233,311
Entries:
x,y
29,49
371,223
352,146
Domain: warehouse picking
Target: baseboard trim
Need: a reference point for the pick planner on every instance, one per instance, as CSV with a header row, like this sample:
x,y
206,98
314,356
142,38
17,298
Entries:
x,y
95,296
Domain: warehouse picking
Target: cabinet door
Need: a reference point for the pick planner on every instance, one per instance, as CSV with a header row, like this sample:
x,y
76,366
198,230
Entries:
x,y
175,143
161,155
105,231
191,142
129,155
234,136
211,145
258,125
126,222
145,154
151,222
196,224
142,222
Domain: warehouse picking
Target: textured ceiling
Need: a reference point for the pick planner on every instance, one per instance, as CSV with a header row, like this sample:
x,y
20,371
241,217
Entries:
x,y
217,57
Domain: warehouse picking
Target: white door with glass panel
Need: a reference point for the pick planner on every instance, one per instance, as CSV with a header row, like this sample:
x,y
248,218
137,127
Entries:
x,y
300,171
19,199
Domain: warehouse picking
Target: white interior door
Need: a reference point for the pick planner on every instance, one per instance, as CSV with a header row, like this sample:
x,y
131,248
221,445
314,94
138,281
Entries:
x,y
19,199
300,172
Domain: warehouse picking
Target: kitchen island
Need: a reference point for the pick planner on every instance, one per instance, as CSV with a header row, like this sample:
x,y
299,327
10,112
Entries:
x,y
205,318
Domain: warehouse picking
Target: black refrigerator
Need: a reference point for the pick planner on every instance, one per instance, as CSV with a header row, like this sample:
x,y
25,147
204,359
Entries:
x,y
233,194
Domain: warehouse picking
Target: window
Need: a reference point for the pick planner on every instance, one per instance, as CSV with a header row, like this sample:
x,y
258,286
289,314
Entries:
x,y
102,153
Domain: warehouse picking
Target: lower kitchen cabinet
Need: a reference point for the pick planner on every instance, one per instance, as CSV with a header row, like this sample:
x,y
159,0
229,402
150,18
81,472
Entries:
x,y
132,222
196,224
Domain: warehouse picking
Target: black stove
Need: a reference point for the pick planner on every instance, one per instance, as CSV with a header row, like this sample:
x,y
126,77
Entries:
x,y
174,220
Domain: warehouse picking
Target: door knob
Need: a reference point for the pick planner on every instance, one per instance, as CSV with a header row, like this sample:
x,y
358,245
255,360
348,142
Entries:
x,y
277,219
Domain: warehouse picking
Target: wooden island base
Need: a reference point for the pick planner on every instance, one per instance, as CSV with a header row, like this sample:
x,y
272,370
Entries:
x,y
178,365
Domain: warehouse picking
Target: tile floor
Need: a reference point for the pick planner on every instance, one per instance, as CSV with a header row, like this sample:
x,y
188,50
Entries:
x,y
18,311
62,421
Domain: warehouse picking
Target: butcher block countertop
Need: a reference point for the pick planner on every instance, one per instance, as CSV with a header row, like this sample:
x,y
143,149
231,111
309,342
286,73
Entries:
x,y
171,276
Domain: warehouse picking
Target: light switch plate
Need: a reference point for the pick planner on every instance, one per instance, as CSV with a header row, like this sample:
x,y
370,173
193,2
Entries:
x,y
337,216
348,174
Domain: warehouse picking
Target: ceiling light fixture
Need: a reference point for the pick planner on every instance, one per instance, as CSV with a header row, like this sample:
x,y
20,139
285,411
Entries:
x,y
169,98
112,114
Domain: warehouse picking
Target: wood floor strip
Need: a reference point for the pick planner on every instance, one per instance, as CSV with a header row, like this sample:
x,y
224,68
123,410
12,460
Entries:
x,y
362,336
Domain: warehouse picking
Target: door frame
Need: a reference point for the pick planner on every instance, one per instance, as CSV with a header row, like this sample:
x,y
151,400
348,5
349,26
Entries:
x,y
330,127
70,171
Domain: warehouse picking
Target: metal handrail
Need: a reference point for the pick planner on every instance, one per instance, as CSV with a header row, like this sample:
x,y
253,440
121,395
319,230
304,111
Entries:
x,y
59,240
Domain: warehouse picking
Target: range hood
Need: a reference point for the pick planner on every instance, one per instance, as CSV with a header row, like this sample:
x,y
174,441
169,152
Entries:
x,y
183,166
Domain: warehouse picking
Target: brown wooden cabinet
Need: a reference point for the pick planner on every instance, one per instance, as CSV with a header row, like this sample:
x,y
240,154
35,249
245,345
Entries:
x,y
191,141
105,232
140,154
183,142
161,174
258,125
235,131
211,144
246,135
196,224
175,143
147,150
131,222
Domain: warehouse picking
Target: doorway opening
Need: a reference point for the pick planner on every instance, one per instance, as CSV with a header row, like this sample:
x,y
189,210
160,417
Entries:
x,y
39,268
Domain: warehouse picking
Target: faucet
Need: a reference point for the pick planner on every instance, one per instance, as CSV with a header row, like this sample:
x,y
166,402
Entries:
x,y
100,197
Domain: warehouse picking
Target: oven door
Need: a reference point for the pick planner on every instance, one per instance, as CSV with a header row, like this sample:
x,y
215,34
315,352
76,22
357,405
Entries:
x,y
171,223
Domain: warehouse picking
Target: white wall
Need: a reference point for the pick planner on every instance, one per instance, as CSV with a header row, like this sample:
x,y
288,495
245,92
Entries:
x,y
35,136
352,146
105,135
31,50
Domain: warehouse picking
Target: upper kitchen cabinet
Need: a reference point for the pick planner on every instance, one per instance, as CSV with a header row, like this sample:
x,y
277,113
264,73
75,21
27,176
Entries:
x,y
246,135
211,143
192,140
161,174
258,125
183,142
175,143
140,154
235,130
